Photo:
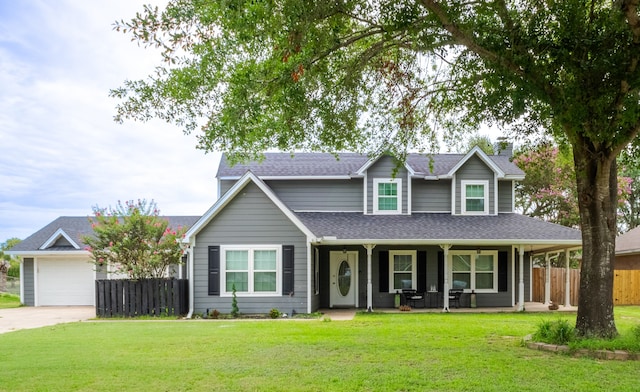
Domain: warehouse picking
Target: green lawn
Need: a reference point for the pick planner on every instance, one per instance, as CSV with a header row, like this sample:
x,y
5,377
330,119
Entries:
x,y
9,301
374,352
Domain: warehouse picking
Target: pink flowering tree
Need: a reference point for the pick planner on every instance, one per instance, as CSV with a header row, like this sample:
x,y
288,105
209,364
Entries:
x,y
134,239
549,190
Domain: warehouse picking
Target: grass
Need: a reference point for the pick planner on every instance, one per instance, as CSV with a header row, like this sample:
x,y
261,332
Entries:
x,y
374,352
9,301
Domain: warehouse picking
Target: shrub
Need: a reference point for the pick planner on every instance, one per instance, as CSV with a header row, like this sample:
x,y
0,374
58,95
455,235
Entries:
x,y
554,332
234,303
275,313
214,314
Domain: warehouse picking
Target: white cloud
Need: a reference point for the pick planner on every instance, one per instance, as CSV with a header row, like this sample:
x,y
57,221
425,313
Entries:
x,y
60,151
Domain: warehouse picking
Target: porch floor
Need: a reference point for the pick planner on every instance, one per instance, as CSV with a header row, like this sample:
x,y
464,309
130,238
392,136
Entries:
x,y
339,314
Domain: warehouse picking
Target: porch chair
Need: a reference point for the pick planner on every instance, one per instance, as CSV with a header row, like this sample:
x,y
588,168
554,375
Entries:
x,y
411,297
454,297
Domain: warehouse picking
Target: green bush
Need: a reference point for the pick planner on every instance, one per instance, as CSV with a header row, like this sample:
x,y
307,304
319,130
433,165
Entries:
x,y
275,313
555,332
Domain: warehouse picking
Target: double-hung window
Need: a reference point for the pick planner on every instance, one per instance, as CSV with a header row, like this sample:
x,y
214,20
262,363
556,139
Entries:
x,y
402,266
387,196
475,197
251,269
471,270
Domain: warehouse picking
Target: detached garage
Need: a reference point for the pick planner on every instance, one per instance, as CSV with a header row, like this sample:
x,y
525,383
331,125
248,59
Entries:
x,y
55,268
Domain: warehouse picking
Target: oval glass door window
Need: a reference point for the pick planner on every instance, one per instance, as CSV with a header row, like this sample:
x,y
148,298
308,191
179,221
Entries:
x,y
344,278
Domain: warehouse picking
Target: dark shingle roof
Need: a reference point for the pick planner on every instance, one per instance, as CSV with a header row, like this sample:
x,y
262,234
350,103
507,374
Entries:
x,y
76,227
324,164
434,227
628,242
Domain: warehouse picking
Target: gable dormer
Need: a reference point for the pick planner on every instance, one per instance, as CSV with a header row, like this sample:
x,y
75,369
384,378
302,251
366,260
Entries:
x,y
387,188
59,239
474,184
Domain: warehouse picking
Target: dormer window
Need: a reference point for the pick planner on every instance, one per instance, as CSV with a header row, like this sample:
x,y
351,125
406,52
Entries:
x,y
475,197
388,196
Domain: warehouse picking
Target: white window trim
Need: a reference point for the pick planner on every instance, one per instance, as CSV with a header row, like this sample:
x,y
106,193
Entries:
x,y
472,255
414,274
463,197
224,292
377,181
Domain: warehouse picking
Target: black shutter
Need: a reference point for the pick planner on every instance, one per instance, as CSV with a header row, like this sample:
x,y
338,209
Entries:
x,y
214,270
383,263
502,271
421,271
440,271
287,270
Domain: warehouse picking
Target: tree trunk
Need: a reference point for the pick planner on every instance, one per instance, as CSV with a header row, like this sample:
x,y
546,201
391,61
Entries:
x,y
596,174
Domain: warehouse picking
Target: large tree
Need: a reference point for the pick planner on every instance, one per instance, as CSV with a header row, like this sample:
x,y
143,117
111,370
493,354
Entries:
x,y
392,74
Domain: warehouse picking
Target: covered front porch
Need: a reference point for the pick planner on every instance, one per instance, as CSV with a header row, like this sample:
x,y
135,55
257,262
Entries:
x,y
373,277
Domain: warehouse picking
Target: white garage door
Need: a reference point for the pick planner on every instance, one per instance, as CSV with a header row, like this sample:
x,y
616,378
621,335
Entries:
x,y
65,282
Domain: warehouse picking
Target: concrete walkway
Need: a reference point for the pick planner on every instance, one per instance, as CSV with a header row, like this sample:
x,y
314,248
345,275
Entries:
x,y
28,317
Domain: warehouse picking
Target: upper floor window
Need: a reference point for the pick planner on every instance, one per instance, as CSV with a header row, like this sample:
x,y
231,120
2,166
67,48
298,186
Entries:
x,y
387,196
475,197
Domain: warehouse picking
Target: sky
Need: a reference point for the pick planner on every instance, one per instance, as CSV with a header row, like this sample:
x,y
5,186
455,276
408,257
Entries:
x,y
60,150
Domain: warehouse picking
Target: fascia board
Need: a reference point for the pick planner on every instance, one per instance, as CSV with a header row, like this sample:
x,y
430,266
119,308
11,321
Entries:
x,y
38,253
329,240
483,157
271,178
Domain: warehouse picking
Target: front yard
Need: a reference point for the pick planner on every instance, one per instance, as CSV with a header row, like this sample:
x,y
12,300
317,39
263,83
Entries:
x,y
374,352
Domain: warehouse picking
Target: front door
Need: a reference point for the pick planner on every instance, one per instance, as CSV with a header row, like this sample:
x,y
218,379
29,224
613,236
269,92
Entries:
x,y
344,278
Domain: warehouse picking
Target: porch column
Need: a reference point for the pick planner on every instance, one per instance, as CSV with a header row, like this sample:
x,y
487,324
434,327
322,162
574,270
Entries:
x,y
547,279
445,294
567,280
521,278
369,248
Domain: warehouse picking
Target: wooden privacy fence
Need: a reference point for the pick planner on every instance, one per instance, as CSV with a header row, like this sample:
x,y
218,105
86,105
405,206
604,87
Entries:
x,y
557,285
151,297
626,287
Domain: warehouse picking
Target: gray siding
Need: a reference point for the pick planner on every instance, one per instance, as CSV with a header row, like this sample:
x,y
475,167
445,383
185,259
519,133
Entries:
x,y
251,219
383,168
225,185
320,195
505,196
431,196
474,169
28,282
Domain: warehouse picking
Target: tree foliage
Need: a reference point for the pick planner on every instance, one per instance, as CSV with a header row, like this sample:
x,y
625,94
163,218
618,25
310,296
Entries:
x,y
393,74
134,240
549,189
12,262
629,184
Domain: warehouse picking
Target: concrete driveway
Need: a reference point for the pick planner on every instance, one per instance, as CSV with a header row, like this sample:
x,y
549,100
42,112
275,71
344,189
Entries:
x,y
35,317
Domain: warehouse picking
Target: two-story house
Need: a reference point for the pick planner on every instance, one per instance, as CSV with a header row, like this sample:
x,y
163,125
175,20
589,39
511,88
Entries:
x,y
310,231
